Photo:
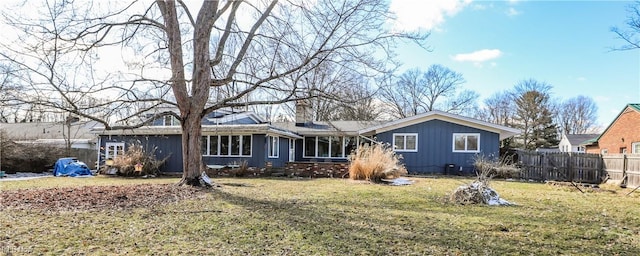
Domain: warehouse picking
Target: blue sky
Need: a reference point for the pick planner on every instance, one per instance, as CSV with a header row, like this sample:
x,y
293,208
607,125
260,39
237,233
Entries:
x,y
495,44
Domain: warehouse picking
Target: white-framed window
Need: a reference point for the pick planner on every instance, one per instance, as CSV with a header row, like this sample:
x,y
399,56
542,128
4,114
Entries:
x,y
405,142
169,120
273,146
226,145
604,151
635,148
328,146
466,142
113,149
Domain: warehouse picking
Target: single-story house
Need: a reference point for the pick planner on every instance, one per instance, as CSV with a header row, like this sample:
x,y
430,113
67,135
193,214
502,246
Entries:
x,y
57,134
622,136
77,135
572,142
429,142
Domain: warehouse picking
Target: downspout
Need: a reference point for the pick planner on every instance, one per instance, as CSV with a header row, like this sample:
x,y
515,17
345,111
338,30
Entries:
x,y
98,148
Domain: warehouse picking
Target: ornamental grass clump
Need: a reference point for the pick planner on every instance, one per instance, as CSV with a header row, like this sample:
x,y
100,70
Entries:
x,y
374,163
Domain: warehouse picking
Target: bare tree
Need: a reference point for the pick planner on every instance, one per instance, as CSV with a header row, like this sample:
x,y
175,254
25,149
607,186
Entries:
x,y
356,103
336,92
577,115
630,34
438,88
498,109
185,56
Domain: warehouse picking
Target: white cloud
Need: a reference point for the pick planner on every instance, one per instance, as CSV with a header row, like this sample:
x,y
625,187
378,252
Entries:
x,y
601,98
478,56
412,15
479,7
513,12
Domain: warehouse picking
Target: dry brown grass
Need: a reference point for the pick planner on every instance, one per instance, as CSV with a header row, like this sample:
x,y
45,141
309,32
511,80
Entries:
x,y
268,216
374,163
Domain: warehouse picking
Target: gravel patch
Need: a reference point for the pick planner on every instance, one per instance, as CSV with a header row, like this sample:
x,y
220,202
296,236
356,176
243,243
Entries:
x,y
25,176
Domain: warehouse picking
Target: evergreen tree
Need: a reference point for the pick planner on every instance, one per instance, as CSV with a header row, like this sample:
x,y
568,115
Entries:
x,y
534,116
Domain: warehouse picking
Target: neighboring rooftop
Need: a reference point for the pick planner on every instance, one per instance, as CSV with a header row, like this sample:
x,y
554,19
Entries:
x,y
577,139
34,131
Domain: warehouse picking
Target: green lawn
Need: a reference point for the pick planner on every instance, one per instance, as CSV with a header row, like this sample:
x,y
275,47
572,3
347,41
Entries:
x,y
332,217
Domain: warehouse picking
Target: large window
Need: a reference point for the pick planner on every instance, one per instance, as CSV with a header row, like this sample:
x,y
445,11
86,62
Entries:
x,y
323,146
273,146
336,147
113,150
405,142
466,142
350,144
310,146
226,145
328,146
635,148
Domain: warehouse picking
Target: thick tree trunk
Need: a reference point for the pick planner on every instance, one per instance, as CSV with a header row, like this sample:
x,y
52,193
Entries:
x,y
192,107
191,155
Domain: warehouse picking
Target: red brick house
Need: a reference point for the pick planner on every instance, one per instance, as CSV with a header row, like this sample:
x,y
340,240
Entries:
x,y
622,136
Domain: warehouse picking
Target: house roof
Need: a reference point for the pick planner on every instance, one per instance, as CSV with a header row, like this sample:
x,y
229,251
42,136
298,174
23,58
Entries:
x,y
48,130
206,130
344,128
323,128
217,117
503,131
632,106
578,139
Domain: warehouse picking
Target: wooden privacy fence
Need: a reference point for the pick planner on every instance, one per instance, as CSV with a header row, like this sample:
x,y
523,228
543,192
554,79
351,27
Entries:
x,y
625,168
583,168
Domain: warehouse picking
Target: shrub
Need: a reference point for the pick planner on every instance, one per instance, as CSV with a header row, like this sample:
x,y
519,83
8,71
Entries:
x,y
17,157
242,170
374,163
134,155
502,168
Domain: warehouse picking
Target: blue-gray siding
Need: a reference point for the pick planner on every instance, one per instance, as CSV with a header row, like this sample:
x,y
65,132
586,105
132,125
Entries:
x,y
165,146
283,153
435,146
171,146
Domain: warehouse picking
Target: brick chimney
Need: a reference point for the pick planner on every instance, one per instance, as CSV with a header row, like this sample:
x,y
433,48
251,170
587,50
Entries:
x,y
304,115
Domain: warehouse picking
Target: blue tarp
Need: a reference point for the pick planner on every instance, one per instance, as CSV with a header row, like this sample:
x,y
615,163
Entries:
x,y
70,167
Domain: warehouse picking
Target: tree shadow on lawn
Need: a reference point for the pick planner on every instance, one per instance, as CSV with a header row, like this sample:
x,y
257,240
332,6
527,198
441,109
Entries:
x,y
352,229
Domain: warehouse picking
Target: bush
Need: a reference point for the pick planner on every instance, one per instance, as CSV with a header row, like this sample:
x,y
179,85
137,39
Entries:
x,y
136,155
27,157
374,163
502,168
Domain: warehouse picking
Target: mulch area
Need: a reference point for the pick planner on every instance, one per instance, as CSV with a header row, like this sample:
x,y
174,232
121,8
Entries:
x,y
97,197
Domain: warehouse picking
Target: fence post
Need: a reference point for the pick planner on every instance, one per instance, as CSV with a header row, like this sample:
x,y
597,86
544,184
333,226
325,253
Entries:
x,y
570,171
544,167
625,166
